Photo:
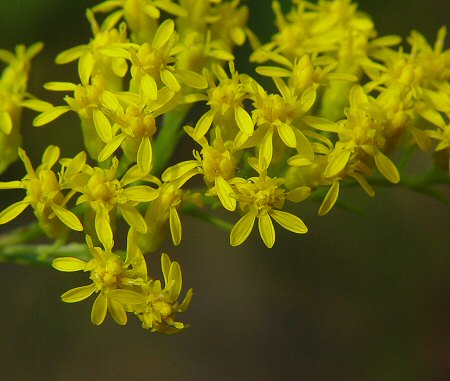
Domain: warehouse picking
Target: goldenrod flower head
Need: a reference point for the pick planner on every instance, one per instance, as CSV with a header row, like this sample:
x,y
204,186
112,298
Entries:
x,y
310,28
141,15
262,197
442,135
276,113
215,162
137,129
154,305
133,127
107,272
87,101
44,195
228,22
226,102
99,56
104,193
162,214
13,97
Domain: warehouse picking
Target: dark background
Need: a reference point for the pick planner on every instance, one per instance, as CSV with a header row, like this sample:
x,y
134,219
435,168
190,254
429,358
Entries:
x,y
357,298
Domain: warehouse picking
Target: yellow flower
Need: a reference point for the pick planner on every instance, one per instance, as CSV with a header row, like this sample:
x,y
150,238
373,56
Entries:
x,y
152,65
104,193
277,113
217,165
96,58
154,305
226,102
13,97
44,195
361,136
107,272
141,16
442,135
135,126
262,197
162,213
87,102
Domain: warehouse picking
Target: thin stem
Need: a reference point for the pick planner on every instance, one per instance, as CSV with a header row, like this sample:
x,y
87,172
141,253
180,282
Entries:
x,y
194,211
42,254
167,139
21,234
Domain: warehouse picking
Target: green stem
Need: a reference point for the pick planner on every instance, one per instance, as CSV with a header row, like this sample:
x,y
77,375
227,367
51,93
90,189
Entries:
x,y
422,183
194,211
42,254
21,234
168,136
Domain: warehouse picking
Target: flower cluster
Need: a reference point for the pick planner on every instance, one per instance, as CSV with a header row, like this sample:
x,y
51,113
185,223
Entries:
x,y
343,102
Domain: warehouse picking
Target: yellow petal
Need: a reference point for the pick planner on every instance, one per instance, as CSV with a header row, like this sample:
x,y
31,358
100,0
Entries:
x,y
266,150
68,264
172,8
50,115
15,184
242,229
266,230
163,33
321,124
99,309
203,124
50,156
148,87
165,267
133,218
299,161
126,297
224,192
60,86
304,146
102,125
110,101
78,294
12,211
5,122
186,301
272,71
330,198
178,170
176,278
110,147
132,248
337,163
175,226
119,66
192,79
287,135
386,167
140,193
289,221
364,184
244,121
298,194
85,67
145,155
67,217
169,79
36,105
103,228
307,99
71,54
117,312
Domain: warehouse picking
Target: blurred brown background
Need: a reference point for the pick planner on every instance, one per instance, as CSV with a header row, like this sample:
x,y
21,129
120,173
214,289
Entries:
x,y
357,298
